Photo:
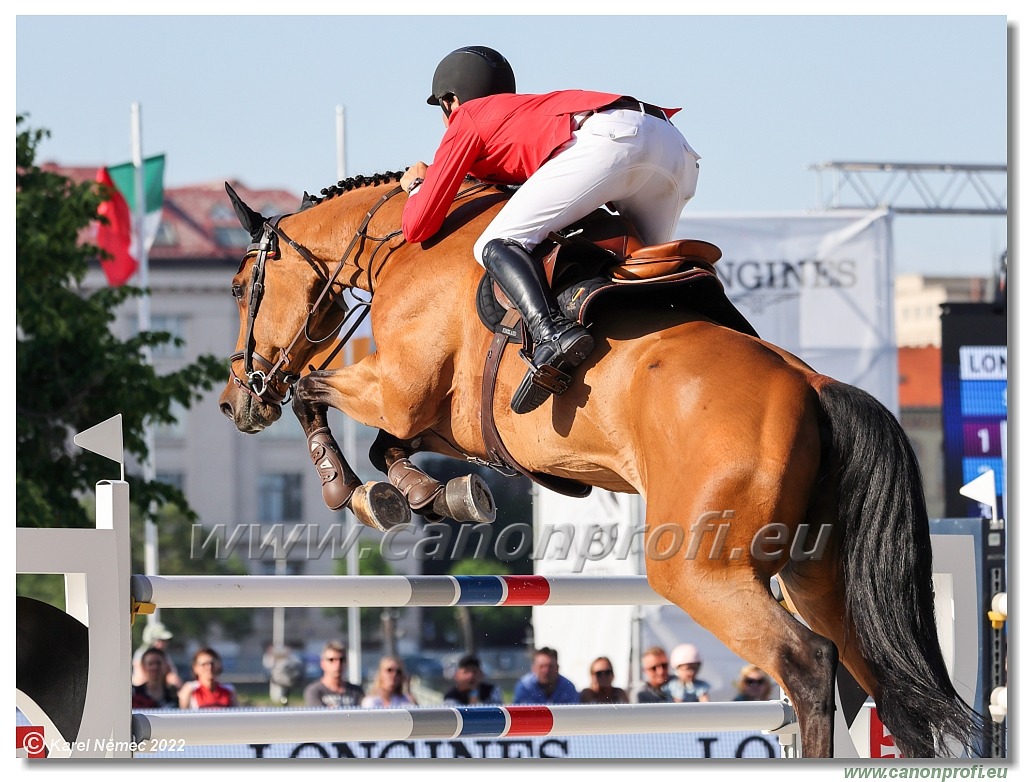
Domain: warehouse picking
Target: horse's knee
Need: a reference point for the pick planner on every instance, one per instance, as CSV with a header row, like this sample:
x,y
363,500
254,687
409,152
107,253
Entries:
x,y
309,389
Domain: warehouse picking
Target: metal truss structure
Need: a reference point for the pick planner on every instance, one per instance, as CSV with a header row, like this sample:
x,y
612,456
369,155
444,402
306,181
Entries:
x,y
913,188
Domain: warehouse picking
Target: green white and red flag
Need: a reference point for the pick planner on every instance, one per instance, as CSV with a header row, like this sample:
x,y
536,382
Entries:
x,y
124,236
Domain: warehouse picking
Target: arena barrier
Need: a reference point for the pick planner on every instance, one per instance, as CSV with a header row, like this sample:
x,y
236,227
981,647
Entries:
x,y
103,596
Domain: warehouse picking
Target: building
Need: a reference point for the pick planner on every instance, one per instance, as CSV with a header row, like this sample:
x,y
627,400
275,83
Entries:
x,y
920,394
918,299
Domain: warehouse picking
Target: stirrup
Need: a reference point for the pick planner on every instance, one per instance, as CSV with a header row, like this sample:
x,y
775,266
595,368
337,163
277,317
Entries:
x,y
539,383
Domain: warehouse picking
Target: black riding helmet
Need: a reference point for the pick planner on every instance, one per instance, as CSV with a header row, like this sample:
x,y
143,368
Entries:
x,y
472,72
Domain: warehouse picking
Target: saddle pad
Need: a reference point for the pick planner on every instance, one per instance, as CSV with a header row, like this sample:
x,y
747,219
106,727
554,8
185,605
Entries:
x,y
492,313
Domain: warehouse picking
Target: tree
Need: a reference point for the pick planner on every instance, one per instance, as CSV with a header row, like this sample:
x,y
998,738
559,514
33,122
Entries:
x,y
72,371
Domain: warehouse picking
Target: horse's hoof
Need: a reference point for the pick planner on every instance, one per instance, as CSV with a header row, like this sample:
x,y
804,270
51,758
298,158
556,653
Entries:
x,y
466,499
380,505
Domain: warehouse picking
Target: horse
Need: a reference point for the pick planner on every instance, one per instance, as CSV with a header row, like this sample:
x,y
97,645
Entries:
x,y
727,438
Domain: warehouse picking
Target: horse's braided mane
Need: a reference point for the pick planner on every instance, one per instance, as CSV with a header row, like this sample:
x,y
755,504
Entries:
x,y
351,183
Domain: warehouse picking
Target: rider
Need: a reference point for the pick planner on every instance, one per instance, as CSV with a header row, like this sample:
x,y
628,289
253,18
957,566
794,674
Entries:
x,y
571,152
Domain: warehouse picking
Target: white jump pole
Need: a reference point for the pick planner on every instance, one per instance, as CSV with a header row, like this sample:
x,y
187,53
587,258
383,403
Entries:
x,y
212,728
389,591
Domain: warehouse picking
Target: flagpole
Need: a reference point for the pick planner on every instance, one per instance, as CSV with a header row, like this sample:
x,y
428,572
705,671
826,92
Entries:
x,y
355,635
151,549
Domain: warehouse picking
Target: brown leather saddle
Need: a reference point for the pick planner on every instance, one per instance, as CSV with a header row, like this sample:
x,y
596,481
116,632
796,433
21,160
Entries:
x,y
597,263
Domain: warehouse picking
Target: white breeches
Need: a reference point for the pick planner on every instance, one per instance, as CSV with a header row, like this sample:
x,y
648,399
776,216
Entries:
x,y
639,164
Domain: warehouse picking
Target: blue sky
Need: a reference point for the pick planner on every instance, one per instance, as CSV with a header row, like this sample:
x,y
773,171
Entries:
x,y
254,98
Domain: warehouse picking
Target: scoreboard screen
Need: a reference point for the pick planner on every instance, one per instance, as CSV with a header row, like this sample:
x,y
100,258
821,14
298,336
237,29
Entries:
x,y
973,401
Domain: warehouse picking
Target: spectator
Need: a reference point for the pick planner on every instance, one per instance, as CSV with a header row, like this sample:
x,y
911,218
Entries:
x,y
470,687
206,692
390,689
155,692
544,684
686,687
654,661
601,689
155,634
331,690
753,684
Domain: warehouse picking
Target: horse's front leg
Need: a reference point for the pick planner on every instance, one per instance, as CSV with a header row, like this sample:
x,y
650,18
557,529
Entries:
x,y
375,504
402,411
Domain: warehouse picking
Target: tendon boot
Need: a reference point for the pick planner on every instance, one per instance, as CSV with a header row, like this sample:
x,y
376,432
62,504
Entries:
x,y
337,479
559,343
420,489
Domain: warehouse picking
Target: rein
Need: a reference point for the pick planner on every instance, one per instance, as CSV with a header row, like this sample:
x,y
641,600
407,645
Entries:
x,y
259,382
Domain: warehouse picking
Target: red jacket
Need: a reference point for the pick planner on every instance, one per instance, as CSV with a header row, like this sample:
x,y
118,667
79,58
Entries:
x,y
220,696
500,138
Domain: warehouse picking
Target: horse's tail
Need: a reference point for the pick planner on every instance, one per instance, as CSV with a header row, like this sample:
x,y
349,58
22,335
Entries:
x,y
887,563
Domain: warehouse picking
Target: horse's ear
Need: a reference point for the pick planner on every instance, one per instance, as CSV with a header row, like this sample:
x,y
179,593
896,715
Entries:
x,y
307,201
251,221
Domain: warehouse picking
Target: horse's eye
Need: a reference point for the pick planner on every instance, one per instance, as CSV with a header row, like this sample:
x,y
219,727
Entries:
x,y
237,290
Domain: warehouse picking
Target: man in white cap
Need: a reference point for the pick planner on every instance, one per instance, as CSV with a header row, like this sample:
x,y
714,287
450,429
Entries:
x,y
686,687
154,634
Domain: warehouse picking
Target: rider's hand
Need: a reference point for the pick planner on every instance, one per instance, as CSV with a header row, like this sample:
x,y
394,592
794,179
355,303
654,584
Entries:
x,y
416,171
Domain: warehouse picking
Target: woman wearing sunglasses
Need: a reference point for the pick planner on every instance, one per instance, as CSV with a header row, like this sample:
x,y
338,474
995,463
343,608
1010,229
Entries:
x,y
601,689
390,688
753,685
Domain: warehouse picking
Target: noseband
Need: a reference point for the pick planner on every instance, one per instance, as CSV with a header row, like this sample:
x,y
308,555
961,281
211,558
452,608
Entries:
x,y
259,383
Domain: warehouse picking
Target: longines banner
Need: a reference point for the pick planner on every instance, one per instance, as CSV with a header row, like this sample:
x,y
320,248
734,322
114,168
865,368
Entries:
x,y
819,285
740,744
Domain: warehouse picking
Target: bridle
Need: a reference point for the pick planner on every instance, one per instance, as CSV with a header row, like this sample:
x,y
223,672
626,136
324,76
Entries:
x,y
260,383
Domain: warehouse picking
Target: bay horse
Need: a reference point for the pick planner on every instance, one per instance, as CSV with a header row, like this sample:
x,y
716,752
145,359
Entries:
x,y
715,429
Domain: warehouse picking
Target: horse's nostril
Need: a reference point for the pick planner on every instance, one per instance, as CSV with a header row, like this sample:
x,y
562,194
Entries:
x,y
225,407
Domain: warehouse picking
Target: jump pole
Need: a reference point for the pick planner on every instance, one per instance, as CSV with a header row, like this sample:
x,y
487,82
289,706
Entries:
x,y
212,728
389,591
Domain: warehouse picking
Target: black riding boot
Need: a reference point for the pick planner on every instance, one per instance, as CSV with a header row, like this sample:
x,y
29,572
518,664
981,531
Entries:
x,y
559,343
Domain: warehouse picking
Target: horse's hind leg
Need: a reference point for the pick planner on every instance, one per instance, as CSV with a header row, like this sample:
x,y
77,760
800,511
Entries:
x,y
720,576
737,606
462,499
732,599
